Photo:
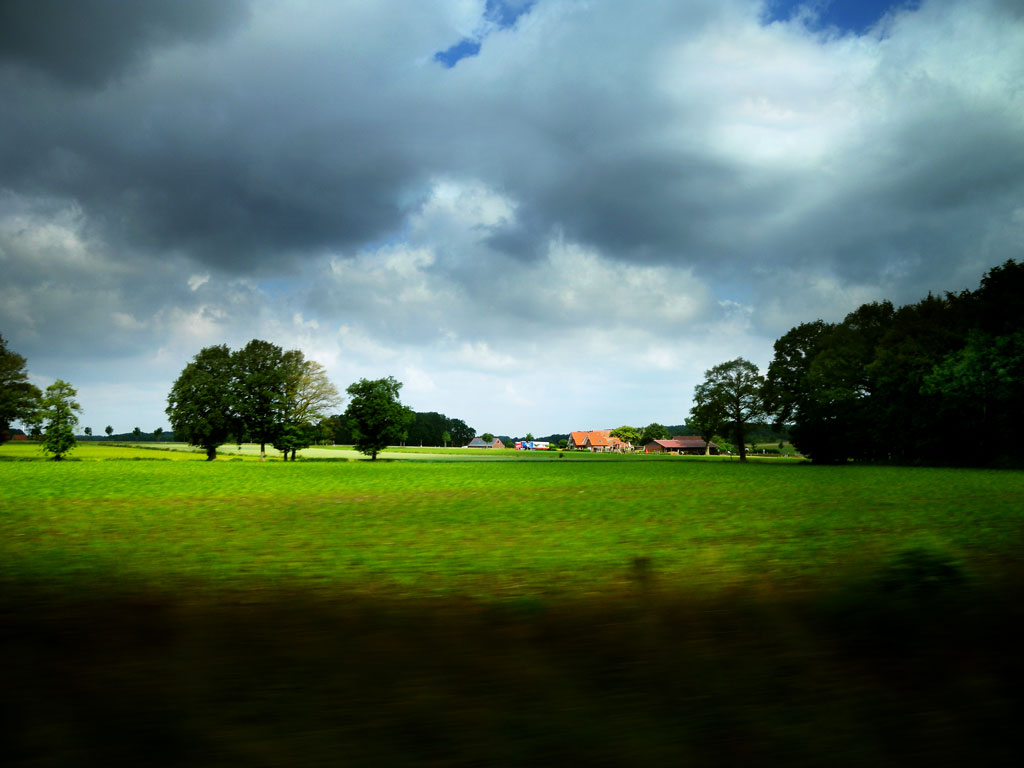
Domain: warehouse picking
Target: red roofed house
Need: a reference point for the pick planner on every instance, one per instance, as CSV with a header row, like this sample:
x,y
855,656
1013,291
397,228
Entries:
x,y
681,446
597,441
576,440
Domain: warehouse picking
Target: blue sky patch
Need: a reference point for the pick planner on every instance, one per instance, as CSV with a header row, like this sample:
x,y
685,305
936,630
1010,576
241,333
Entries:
x,y
855,16
503,13
461,50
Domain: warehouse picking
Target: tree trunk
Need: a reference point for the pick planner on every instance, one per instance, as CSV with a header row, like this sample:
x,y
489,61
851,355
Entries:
x,y
293,454
211,453
741,442
263,451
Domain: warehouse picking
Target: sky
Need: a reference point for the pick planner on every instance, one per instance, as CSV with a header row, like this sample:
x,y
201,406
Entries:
x,y
539,216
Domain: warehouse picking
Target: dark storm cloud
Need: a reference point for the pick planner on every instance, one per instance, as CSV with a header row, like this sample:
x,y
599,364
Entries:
x,y
85,43
236,166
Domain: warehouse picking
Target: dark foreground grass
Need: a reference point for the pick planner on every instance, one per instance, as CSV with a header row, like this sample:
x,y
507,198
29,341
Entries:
x,y
597,613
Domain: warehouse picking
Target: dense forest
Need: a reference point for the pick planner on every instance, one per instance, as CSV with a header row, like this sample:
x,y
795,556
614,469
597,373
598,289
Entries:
x,y
936,382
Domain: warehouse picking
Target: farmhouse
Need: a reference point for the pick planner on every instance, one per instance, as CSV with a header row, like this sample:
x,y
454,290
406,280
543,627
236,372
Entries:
x,y
597,441
479,442
681,446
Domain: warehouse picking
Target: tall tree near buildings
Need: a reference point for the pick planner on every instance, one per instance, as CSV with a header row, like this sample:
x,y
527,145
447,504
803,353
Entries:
x,y
200,405
375,414
629,434
19,400
735,388
261,390
59,409
461,433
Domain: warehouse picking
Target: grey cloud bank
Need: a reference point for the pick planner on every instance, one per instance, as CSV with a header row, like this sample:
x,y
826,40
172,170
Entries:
x,y
562,231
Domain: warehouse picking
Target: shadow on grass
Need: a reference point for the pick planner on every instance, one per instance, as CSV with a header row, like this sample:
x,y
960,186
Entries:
x,y
887,672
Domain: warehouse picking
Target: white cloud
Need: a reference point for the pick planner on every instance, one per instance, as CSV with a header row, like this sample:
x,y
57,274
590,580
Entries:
x,y
563,231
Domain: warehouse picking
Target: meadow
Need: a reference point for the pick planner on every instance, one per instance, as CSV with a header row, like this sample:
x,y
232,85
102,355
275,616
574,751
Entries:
x,y
636,610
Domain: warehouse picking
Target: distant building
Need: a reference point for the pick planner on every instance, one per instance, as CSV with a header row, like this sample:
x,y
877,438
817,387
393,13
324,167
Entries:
x,y
597,441
681,446
479,442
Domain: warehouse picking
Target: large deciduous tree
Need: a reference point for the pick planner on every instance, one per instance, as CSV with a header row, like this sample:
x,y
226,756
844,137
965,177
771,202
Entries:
x,y
736,388
19,400
261,390
309,396
375,414
201,404
59,409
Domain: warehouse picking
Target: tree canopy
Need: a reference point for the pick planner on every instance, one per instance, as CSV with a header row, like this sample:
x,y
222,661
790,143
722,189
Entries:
x,y
58,412
375,414
732,392
260,392
19,399
938,382
201,404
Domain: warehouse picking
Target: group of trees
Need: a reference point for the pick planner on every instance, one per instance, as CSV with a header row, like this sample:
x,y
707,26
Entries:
x,y
52,414
264,394
939,381
260,393
936,382
432,428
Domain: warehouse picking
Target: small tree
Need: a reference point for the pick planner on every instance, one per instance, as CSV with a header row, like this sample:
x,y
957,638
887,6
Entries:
x,y
487,437
109,430
707,418
446,438
375,415
58,412
88,431
136,433
157,433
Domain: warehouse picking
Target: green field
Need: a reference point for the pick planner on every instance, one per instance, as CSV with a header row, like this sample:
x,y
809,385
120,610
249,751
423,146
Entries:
x,y
619,611
492,529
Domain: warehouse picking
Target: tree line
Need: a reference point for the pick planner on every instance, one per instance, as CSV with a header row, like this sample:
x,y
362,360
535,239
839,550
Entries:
x,y
940,381
264,394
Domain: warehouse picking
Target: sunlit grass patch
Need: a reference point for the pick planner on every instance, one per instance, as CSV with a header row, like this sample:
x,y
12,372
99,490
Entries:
x,y
491,529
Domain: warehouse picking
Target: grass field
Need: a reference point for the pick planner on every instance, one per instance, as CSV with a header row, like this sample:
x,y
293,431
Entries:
x,y
618,612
